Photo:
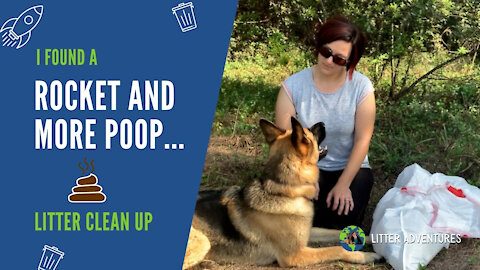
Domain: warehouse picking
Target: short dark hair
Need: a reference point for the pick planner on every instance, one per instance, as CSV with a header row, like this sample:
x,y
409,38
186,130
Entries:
x,y
340,28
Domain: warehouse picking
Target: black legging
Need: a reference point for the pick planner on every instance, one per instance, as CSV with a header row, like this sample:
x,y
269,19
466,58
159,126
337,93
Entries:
x,y
360,188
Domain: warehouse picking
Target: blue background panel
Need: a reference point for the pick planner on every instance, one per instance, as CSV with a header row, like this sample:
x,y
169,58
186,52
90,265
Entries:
x,y
138,40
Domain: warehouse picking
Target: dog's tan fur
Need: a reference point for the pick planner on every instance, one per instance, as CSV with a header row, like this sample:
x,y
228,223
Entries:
x,y
270,219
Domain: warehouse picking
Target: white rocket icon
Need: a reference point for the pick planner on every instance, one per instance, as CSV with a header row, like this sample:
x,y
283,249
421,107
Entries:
x,y
16,32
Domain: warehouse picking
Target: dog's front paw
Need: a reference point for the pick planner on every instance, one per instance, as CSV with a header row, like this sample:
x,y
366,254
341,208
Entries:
x,y
361,257
309,191
230,194
372,257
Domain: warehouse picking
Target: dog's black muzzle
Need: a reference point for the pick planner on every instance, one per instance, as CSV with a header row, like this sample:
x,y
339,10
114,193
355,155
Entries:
x,y
318,131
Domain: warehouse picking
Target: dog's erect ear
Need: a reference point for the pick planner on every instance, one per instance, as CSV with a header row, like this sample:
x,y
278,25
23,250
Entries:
x,y
270,130
299,138
318,131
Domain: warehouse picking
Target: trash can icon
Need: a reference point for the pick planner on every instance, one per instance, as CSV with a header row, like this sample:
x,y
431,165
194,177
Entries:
x,y
185,16
50,258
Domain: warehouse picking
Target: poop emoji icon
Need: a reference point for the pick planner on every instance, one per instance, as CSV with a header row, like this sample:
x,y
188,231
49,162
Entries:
x,y
87,189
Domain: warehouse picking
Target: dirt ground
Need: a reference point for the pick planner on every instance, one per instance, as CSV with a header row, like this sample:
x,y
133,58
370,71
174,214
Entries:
x,y
234,160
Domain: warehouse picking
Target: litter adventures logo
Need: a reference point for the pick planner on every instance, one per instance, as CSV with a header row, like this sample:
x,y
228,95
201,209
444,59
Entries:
x,y
352,238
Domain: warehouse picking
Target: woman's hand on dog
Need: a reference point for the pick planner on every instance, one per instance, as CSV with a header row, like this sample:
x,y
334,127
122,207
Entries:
x,y
342,199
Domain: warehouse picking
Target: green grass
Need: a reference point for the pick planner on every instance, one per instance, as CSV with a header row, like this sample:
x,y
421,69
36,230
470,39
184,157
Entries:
x,y
242,103
437,139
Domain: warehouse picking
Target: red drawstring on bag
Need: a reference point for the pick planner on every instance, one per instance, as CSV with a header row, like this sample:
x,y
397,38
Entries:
x,y
456,192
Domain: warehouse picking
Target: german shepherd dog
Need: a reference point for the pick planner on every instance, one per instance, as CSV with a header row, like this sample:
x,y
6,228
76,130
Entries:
x,y
271,218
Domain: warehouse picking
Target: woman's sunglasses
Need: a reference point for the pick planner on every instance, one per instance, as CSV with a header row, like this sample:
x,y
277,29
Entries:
x,y
327,52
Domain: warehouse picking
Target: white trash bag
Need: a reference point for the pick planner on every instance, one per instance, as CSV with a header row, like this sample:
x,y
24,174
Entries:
x,y
422,214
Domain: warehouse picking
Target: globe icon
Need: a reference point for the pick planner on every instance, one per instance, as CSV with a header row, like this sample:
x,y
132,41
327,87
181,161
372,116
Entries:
x,y
352,238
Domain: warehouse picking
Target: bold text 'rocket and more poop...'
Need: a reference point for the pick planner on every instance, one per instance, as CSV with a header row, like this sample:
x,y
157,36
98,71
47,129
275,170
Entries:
x,y
87,189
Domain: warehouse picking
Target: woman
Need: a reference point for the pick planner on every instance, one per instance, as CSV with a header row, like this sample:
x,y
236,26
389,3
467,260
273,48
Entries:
x,y
333,92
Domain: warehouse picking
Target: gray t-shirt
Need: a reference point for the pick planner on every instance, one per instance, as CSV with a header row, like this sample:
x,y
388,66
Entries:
x,y
336,110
